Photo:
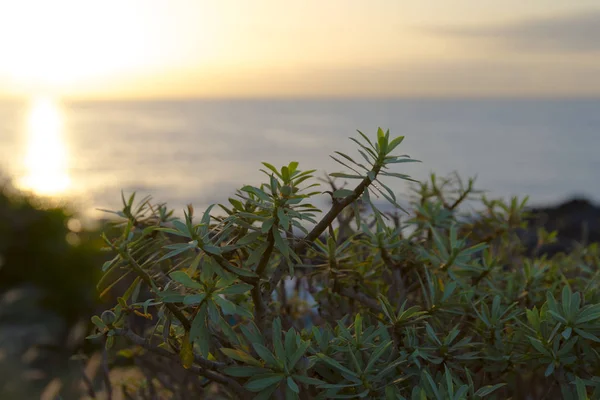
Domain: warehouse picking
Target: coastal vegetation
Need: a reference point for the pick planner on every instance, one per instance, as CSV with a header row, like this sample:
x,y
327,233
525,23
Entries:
x,y
268,297
452,296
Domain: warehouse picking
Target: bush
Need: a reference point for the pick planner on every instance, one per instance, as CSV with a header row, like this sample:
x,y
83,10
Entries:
x,y
266,300
48,279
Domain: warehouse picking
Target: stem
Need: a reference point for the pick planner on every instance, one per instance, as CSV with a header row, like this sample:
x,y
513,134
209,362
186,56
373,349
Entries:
x,y
257,295
140,341
336,209
148,281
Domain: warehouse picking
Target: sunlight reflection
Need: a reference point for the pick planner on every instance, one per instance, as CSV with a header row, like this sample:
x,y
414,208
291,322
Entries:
x,y
46,159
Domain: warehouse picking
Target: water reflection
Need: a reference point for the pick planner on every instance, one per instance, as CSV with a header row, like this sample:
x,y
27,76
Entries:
x,y
46,161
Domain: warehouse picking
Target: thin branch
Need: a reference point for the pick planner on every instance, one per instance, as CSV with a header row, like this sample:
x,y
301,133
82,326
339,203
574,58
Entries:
x,y
337,207
88,383
140,341
361,298
202,370
106,374
148,281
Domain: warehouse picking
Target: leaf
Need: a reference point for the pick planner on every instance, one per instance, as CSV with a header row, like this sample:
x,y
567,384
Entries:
x,y
259,193
272,168
335,364
199,331
376,355
587,335
229,307
308,381
193,299
242,356
185,280
239,288
284,220
394,143
252,333
280,244
264,381
180,249
341,193
581,390
549,369
292,385
181,227
300,351
485,390
186,353
266,355
347,176
249,238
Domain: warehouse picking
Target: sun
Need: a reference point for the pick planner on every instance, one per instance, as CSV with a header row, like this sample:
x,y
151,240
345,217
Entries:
x,y
46,160
63,45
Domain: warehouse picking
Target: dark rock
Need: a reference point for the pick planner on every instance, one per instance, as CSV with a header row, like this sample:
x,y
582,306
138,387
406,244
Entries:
x,y
577,222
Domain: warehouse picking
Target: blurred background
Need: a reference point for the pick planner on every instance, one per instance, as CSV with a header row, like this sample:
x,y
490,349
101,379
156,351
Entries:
x,y
183,99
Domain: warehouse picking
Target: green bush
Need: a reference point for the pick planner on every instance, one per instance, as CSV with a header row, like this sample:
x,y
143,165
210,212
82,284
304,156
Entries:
x,y
48,279
271,299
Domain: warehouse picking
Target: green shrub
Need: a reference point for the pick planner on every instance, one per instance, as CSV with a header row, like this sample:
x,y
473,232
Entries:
x,y
269,298
48,278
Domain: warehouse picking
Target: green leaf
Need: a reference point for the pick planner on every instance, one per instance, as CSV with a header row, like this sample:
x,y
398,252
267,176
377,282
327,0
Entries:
x,y
486,390
242,356
263,381
341,193
241,271
587,335
347,176
259,193
394,143
581,390
376,355
181,227
252,333
239,288
185,280
308,381
292,385
229,307
193,299
335,364
180,249
300,351
549,369
266,355
199,331
280,244
272,168
284,220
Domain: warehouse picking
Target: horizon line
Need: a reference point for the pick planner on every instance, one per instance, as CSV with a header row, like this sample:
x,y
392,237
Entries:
x,y
167,98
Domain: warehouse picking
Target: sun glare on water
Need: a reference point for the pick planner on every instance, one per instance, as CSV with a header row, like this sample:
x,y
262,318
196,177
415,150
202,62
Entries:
x,y
46,161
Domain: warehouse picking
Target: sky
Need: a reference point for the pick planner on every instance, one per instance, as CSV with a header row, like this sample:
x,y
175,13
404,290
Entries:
x,y
317,48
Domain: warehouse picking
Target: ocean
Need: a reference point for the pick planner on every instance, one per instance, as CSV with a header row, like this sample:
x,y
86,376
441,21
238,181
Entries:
x,y
200,151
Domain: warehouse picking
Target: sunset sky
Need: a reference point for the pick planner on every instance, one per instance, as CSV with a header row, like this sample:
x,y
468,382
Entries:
x,y
225,48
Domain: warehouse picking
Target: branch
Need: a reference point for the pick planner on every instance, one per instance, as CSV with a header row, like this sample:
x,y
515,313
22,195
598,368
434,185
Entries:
x,y
336,209
361,298
140,341
148,281
203,369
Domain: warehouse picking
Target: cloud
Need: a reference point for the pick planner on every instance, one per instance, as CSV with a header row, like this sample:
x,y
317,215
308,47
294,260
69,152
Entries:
x,y
568,33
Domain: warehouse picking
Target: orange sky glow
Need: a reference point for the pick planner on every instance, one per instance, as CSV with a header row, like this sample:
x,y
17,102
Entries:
x,y
196,48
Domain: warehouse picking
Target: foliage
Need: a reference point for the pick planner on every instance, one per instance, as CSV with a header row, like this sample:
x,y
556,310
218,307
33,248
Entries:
x,y
272,299
47,291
